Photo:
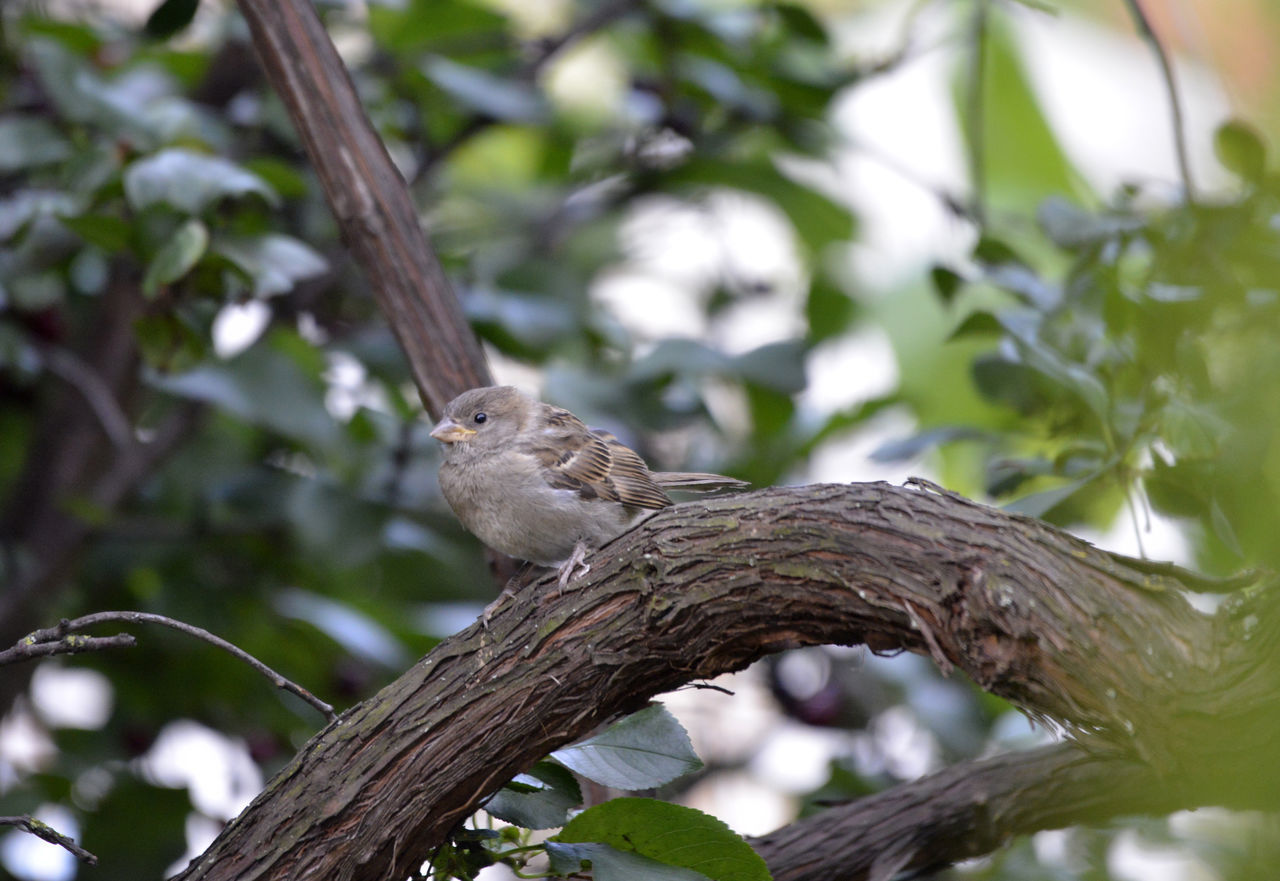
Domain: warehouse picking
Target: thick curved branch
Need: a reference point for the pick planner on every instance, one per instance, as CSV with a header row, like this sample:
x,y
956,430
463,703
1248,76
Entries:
x,y
368,198
1068,632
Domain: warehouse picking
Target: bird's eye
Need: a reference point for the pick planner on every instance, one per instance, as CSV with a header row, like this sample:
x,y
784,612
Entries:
x,y
481,417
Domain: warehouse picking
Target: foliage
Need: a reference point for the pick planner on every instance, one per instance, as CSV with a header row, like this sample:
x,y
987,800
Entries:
x,y
153,191
1144,372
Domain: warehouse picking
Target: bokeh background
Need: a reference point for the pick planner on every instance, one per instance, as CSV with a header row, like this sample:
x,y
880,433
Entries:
x,y
794,242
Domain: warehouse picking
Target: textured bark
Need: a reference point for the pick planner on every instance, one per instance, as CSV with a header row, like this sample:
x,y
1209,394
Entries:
x,y
973,808
368,198
1072,634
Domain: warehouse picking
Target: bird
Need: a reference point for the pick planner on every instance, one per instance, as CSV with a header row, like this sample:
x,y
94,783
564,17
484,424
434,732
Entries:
x,y
532,481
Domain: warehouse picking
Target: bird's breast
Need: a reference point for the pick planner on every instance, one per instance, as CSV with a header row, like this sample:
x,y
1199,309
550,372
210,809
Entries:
x,y
507,505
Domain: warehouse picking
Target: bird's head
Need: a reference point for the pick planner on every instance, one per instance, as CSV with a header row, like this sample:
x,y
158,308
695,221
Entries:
x,y
482,419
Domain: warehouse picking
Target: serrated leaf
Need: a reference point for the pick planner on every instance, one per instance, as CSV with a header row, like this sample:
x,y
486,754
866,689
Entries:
x,y
176,257
189,182
539,799
644,750
671,834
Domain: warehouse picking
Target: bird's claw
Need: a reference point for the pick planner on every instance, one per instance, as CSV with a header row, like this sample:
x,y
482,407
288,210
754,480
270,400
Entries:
x,y
577,561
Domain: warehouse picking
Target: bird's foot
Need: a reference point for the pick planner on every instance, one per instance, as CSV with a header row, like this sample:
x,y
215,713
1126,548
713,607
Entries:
x,y
577,561
514,583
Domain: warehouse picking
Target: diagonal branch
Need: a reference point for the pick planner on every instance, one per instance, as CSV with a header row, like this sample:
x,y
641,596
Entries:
x,y
704,588
1148,34
368,198
45,832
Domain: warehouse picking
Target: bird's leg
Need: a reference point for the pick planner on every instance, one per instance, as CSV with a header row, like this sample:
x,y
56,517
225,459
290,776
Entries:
x,y
514,583
577,560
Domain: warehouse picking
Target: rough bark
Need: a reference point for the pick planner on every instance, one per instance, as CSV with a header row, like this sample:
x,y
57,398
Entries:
x,y
1070,633
973,808
368,198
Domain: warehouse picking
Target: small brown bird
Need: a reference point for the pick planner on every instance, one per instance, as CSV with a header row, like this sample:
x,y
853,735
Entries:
x,y
532,481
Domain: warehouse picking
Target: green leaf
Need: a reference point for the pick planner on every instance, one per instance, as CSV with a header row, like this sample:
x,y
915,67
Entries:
x,y
1026,284
609,864
422,24
910,447
777,366
979,323
266,385
670,834
109,232
176,256
170,17
494,96
189,182
1073,228
1240,150
28,142
678,355
275,262
946,282
829,309
801,21
1020,154
1038,504
540,799
644,750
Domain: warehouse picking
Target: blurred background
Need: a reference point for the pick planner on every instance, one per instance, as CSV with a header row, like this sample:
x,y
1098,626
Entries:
x,y
792,242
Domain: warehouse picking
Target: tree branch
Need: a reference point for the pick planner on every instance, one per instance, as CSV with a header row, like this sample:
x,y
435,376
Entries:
x,y
368,198
47,833
707,587
61,640
1149,35
973,808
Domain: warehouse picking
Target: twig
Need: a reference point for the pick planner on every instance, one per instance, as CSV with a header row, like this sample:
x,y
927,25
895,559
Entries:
x,y
56,636
96,393
71,644
1175,103
977,115
708,686
46,832
589,24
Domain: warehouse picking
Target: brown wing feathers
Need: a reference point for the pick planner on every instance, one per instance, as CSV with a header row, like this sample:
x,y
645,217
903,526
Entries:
x,y
598,465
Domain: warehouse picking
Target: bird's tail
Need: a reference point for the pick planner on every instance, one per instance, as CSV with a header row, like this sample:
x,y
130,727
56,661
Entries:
x,y
697,482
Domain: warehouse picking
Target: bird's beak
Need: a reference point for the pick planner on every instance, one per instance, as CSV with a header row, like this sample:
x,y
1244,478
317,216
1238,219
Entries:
x,y
449,432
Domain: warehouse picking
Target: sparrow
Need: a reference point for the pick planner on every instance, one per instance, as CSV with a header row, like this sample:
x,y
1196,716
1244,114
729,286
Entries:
x,y
532,481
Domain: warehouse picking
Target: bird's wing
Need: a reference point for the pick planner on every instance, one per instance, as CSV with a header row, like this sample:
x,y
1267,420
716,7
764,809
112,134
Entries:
x,y
595,464
694,481
630,476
